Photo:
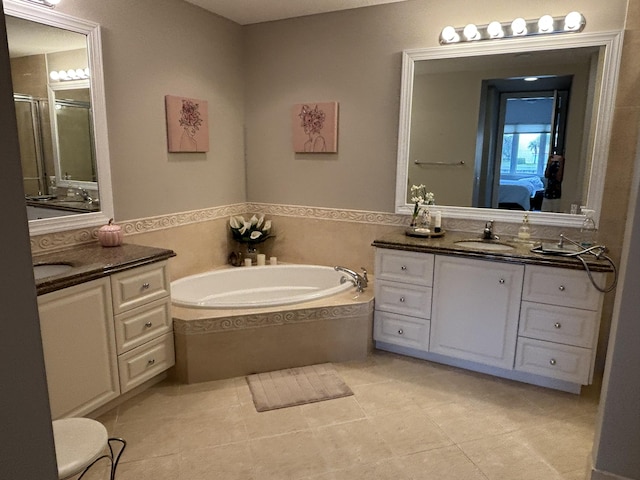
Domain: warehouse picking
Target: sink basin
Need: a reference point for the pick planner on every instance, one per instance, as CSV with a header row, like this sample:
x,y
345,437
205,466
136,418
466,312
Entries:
x,y
50,270
484,245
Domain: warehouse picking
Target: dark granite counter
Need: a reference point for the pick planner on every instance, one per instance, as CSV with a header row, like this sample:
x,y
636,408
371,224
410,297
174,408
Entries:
x,y
92,261
521,253
65,205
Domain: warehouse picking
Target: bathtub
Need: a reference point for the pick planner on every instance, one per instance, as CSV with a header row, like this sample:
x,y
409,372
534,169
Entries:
x,y
238,321
263,286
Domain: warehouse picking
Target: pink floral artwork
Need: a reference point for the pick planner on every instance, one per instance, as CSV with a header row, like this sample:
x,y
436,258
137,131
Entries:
x,y
187,124
315,127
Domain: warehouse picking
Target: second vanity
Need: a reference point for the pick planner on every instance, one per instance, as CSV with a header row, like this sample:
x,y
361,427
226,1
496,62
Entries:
x,y
105,323
514,314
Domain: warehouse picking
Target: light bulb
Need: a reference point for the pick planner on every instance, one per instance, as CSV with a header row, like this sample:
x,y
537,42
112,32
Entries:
x,y
53,2
80,73
71,73
54,75
494,29
63,75
545,24
470,32
573,21
86,71
519,26
449,35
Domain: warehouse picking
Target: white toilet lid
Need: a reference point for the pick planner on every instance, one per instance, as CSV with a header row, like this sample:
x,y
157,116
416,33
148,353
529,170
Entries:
x,y
78,442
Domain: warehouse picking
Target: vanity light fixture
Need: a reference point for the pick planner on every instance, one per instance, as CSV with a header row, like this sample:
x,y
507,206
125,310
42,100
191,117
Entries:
x,y
44,3
71,74
519,27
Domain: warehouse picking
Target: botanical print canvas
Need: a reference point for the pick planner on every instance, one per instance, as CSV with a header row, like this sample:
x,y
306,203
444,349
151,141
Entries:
x,y
315,127
187,124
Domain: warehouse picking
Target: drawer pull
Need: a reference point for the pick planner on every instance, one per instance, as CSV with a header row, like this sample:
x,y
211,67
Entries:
x,y
561,288
552,361
146,285
403,268
557,325
149,325
401,299
501,281
400,332
151,362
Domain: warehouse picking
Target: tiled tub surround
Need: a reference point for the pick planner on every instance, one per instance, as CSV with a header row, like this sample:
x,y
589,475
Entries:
x,y
217,344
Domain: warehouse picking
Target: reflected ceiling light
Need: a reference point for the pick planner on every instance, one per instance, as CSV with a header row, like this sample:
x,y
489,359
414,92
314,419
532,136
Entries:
x,y
71,74
530,79
43,3
545,25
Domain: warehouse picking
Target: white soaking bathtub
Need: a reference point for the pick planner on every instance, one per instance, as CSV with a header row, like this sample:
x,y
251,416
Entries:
x,y
254,287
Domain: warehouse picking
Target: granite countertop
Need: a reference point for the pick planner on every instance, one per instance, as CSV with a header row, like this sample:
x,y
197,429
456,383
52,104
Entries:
x,y
93,261
521,252
67,205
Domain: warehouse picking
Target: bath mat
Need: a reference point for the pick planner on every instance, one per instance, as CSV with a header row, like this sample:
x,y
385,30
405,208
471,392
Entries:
x,y
296,386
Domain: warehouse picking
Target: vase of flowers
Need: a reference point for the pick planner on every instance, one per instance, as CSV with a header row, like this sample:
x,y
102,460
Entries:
x,y
421,200
250,233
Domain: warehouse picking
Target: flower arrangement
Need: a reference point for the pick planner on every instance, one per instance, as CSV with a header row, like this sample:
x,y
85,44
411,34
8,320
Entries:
x,y
255,230
420,197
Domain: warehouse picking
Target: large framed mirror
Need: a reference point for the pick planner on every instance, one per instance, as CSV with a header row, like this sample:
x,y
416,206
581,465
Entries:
x,y
486,125
56,68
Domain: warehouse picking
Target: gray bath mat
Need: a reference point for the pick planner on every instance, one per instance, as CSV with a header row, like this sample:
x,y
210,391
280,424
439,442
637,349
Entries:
x,y
296,386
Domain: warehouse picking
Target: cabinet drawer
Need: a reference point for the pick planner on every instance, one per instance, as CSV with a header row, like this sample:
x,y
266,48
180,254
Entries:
x,y
405,267
138,286
560,286
142,363
563,362
571,326
137,326
403,298
401,330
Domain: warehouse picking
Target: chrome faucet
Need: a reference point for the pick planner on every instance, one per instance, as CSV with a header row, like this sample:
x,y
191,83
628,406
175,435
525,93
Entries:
x,y
85,195
487,233
360,281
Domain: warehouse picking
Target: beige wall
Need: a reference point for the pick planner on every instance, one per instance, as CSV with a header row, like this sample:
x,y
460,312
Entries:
x,y
153,48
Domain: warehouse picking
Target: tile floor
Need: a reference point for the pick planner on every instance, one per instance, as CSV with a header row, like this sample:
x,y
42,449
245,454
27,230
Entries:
x,y
408,419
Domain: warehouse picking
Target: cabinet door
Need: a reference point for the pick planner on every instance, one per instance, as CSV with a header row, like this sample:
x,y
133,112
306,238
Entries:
x,y
79,348
476,304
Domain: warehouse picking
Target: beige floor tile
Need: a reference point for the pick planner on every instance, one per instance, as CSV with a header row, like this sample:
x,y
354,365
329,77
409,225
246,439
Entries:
x,y
212,428
243,391
227,462
287,457
338,410
384,398
389,469
273,422
201,397
353,443
506,457
581,474
429,391
158,468
447,463
150,438
160,401
407,433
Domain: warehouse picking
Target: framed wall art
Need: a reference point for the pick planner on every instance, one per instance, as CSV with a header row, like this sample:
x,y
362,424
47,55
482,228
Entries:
x,y
187,124
315,127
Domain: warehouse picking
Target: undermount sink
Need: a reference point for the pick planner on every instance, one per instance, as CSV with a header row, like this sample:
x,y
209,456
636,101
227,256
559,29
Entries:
x,y
50,270
486,245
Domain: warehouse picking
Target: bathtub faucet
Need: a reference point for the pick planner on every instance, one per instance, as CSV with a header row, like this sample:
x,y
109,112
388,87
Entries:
x,y
360,281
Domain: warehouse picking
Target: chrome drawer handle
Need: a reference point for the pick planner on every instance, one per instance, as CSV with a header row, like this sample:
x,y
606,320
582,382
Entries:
x,y
403,268
401,299
148,324
400,332
561,288
145,285
552,361
151,362
501,281
557,325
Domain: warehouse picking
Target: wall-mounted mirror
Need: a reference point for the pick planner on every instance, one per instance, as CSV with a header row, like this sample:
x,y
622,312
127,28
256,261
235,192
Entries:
x,y
56,71
487,124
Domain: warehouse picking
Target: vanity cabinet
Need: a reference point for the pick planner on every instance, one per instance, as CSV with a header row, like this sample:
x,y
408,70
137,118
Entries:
x,y
559,323
78,340
403,290
476,304
103,337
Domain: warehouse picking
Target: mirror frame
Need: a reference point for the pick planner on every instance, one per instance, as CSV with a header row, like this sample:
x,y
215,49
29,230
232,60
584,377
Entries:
x,y
52,18
612,43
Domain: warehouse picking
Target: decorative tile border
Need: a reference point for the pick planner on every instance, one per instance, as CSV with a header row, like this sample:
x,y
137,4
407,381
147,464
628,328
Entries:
x,y
259,320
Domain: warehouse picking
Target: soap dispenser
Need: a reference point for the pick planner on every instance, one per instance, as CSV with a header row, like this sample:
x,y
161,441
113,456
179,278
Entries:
x,y
524,232
588,230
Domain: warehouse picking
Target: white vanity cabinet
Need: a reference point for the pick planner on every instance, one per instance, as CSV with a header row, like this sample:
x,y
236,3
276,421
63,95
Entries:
x,y
103,337
76,325
403,290
559,323
144,332
476,304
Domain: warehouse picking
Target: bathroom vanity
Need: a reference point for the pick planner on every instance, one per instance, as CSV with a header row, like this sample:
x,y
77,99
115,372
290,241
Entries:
x,y
105,323
515,314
